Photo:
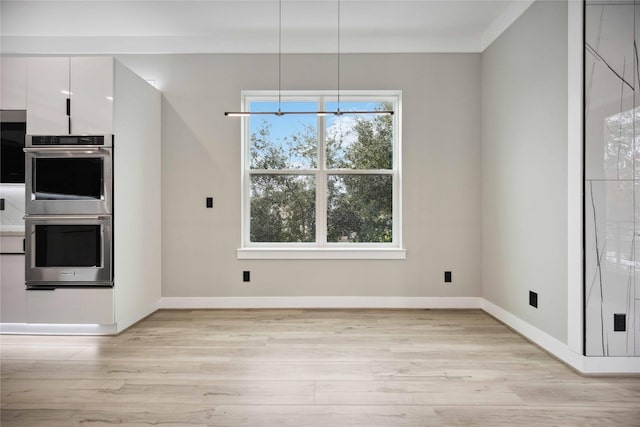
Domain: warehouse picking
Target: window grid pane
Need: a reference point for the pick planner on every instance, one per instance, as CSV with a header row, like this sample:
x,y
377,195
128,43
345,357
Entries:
x,y
360,208
283,208
363,141
286,142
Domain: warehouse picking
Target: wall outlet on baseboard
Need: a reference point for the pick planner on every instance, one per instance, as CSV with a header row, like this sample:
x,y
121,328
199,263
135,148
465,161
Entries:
x,y
533,299
246,276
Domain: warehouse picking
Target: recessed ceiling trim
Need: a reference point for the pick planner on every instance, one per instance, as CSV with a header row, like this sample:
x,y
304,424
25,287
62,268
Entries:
x,y
71,45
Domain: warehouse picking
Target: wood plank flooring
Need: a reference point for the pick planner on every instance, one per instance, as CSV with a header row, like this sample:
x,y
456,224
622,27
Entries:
x,y
304,368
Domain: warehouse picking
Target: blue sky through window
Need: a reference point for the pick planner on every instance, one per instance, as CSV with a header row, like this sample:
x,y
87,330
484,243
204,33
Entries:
x,y
282,126
283,129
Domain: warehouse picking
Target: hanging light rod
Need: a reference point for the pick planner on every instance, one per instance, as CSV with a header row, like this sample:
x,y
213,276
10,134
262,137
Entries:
x,y
280,113
316,113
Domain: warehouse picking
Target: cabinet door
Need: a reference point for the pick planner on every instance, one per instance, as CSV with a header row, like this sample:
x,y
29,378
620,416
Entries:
x,y
12,289
47,94
71,305
13,84
92,95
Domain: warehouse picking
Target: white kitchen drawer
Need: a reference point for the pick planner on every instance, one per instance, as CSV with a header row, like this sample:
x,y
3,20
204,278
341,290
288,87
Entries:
x,y
12,288
71,305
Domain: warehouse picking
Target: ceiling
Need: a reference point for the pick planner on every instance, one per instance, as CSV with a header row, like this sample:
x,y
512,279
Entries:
x,y
251,26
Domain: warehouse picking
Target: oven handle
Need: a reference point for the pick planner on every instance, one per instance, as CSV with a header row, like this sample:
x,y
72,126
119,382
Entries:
x,y
65,217
81,149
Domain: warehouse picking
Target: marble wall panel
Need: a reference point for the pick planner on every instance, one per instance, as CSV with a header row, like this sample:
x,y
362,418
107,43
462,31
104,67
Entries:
x,y
612,173
609,30
610,268
609,123
637,327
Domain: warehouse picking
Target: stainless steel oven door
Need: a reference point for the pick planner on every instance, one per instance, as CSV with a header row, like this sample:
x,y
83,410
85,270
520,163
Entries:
x,y
61,181
69,250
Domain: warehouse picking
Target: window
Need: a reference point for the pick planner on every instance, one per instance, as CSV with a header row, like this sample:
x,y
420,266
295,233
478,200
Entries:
x,y
319,186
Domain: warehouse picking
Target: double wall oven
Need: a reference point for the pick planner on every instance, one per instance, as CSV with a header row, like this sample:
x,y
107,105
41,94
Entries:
x,y
69,207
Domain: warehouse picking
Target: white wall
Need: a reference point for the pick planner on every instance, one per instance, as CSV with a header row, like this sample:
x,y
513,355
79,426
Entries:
x,y
524,168
201,157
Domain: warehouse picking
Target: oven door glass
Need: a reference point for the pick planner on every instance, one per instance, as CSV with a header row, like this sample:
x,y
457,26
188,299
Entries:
x,y
69,178
69,181
68,246
69,250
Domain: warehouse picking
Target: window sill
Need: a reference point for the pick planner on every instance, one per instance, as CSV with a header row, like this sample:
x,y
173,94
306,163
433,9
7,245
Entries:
x,y
323,253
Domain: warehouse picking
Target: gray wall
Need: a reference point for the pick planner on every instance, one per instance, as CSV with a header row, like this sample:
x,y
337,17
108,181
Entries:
x,y
201,157
524,168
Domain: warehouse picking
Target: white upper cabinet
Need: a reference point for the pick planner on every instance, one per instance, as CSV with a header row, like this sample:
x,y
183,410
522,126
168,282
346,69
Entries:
x,y
92,95
47,94
70,96
13,84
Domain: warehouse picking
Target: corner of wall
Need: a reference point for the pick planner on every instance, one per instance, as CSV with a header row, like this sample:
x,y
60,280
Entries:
x,y
574,176
524,210
562,351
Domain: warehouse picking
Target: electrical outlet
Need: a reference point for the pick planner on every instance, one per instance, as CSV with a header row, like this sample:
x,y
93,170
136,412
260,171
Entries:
x,y
619,322
447,277
533,299
246,276
209,202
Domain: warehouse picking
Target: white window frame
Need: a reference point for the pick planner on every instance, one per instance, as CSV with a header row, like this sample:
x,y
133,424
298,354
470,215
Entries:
x,y
320,249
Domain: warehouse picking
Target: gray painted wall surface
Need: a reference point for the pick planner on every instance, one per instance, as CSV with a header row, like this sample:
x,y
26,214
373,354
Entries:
x,y
201,157
524,168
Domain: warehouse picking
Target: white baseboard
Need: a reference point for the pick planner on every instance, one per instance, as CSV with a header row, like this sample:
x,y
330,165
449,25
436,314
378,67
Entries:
x,y
610,365
585,365
541,338
56,329
319,302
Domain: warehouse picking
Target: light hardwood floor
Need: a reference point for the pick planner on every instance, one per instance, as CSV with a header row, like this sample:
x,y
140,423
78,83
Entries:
x,y
304,368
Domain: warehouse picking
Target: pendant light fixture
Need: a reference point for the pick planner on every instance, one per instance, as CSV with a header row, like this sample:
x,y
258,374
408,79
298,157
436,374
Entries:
x,y
337,112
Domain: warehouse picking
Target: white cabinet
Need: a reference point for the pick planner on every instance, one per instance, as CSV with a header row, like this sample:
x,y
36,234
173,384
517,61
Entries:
x,y
71,305
47,94
92,95
12,287
70,96
13,84
105,98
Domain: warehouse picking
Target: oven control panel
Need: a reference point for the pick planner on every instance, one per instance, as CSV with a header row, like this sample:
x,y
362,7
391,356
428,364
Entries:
x,y
68,140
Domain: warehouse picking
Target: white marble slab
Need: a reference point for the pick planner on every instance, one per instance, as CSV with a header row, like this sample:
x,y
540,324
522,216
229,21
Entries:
x,y
609,30
609,127
612,171
610,264
12,217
